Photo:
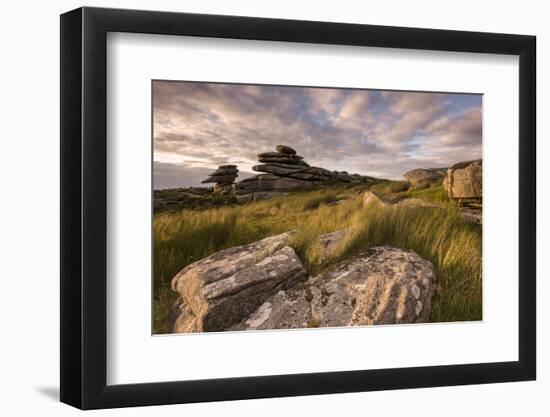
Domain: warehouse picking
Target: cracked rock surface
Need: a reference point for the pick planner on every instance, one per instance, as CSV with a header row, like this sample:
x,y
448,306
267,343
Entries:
x,y
265,286
218,291
465,180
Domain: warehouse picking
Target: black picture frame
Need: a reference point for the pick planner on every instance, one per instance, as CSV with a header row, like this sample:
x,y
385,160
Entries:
x,y
84,207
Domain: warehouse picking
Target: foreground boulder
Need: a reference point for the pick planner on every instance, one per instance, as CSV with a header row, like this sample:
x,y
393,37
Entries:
x,y
218,291
425,177
383,285
464,181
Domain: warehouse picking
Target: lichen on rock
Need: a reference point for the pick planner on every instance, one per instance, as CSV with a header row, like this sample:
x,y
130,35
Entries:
x,y
265,286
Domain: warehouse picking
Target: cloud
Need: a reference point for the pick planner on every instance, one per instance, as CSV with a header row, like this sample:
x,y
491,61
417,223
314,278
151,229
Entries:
x,y
355,105
170,175
412,114
463,130
326,99
198,126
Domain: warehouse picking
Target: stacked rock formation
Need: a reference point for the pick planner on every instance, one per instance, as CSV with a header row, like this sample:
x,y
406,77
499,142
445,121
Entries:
x,y
223,177
285,170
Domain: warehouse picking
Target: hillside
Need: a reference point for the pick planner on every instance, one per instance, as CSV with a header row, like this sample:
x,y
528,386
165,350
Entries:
x,y
422,220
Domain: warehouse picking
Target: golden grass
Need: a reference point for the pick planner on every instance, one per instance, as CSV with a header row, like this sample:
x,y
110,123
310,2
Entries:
x,y
451,243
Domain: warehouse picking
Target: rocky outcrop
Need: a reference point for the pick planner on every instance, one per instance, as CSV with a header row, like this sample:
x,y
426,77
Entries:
x,y
285,170
370,198
384,285
264,285
464,181
192,198
225,175
425,177
218,291
266,182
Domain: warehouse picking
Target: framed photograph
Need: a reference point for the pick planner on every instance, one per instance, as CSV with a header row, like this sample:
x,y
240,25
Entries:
x,y
258,208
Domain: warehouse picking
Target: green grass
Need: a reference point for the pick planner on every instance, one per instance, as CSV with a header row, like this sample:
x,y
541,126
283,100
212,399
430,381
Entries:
x,y
434,194
452,244
387,187
399,190
318,199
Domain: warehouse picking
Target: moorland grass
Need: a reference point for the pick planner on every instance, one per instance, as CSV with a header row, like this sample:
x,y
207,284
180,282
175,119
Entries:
x,y
387,187
435,194
451,243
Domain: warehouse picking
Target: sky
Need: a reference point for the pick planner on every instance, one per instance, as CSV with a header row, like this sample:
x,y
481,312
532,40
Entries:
x,y
198,126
